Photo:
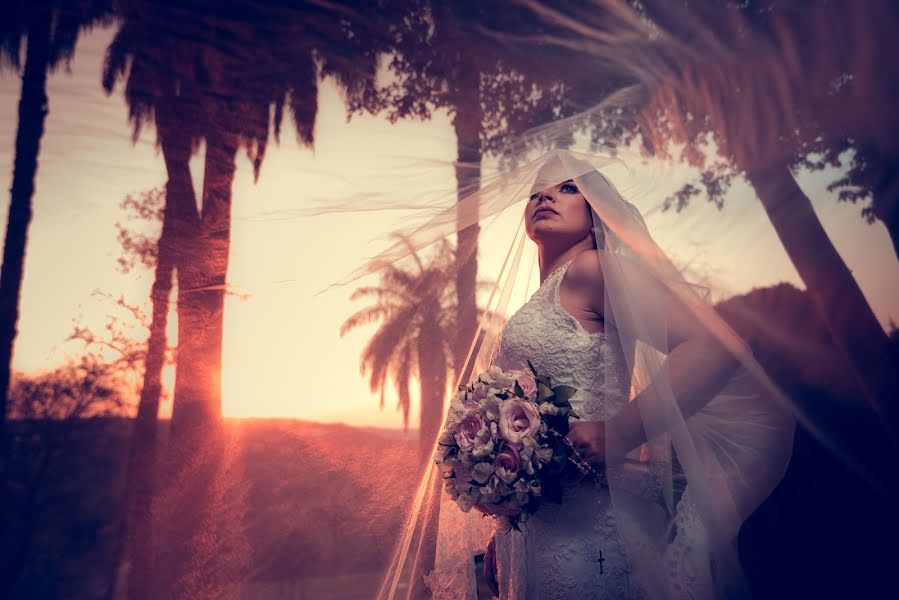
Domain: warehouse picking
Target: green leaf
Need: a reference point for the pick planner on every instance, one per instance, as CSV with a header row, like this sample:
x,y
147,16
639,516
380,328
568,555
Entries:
x,y
531,367
543,392
562,393
518,391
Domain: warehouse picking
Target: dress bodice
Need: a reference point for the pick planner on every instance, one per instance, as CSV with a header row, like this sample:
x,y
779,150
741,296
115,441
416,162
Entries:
x,y
565,541
575,549
543,332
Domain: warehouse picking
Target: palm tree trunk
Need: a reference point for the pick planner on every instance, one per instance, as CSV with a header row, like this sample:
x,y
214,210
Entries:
x,y
200,241
136,562
219,179
201,289
33,109
829,282
467,125
432,376
186,243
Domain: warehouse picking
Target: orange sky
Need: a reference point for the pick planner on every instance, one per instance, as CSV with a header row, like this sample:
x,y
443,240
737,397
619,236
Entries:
x,y
283,356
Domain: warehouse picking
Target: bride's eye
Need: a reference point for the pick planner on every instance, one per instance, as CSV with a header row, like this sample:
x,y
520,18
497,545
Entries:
x,y
569,188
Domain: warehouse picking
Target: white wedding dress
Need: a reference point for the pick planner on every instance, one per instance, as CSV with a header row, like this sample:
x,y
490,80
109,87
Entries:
x,y
574,550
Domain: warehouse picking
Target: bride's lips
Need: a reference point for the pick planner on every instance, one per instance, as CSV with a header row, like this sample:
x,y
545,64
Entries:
x,y
544,210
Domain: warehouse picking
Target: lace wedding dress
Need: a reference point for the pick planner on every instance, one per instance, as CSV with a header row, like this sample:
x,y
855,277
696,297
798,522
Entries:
x,y
574,550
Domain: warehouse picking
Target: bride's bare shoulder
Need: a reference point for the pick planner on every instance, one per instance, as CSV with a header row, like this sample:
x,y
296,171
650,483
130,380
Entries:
x,y
586,270
585,279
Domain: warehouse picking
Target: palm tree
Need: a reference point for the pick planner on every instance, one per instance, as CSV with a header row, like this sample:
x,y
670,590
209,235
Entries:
x,y
220,75
223,75
441,60
50,29
416,338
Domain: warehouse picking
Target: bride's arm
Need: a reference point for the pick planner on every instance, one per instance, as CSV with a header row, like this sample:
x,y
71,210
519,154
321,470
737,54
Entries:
x,y
695,370
698,365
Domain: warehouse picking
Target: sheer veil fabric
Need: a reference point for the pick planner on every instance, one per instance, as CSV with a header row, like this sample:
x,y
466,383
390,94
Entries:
x,y
680,497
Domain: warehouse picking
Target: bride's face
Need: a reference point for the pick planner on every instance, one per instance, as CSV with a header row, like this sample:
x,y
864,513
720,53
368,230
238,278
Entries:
x,y
558,214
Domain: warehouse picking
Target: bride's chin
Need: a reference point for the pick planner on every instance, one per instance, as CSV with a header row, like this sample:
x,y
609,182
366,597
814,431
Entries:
x,y
542,230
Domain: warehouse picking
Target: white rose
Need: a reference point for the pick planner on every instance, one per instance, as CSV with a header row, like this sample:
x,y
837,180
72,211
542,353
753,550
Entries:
x,y
490,405
548,408
482,447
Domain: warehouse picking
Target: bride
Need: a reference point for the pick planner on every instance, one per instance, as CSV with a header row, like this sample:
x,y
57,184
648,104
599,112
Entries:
x,y
681,426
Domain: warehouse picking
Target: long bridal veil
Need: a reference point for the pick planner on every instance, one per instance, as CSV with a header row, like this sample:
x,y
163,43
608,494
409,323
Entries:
x,y
680,497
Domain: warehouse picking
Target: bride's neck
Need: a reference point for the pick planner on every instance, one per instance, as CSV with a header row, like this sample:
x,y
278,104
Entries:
x,y
551,258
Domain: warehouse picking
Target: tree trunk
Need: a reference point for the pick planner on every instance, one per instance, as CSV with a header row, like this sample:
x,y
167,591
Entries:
x,y
194,455
33,109
179,496
216,222
137,562
467,125
186,244
202,272
829,282
432,377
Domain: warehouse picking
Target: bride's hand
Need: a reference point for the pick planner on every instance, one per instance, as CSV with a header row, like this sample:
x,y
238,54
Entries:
x,y
589,439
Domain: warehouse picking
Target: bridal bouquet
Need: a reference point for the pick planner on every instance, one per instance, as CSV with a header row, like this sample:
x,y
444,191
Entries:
x,y
503,450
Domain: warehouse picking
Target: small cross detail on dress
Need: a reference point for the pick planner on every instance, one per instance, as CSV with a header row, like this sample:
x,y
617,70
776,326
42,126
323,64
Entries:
x,y
600,560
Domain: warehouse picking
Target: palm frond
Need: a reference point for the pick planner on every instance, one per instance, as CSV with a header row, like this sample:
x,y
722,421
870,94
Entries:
x,y
382,294
363,317
404,240
380,351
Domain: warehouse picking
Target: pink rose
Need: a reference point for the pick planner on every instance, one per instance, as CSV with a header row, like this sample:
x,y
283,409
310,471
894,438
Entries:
x,y
507,463
528,384
469,429
518,419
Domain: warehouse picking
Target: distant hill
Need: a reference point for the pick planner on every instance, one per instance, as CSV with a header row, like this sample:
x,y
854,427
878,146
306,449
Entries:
x,y
297,501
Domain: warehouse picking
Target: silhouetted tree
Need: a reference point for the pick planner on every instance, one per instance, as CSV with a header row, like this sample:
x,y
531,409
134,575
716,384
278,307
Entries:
x,y
222,75
416,312
50,30
135,545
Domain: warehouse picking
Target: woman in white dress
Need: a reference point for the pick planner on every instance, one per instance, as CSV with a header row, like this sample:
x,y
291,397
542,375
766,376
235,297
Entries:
x,y
574,546
683,443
